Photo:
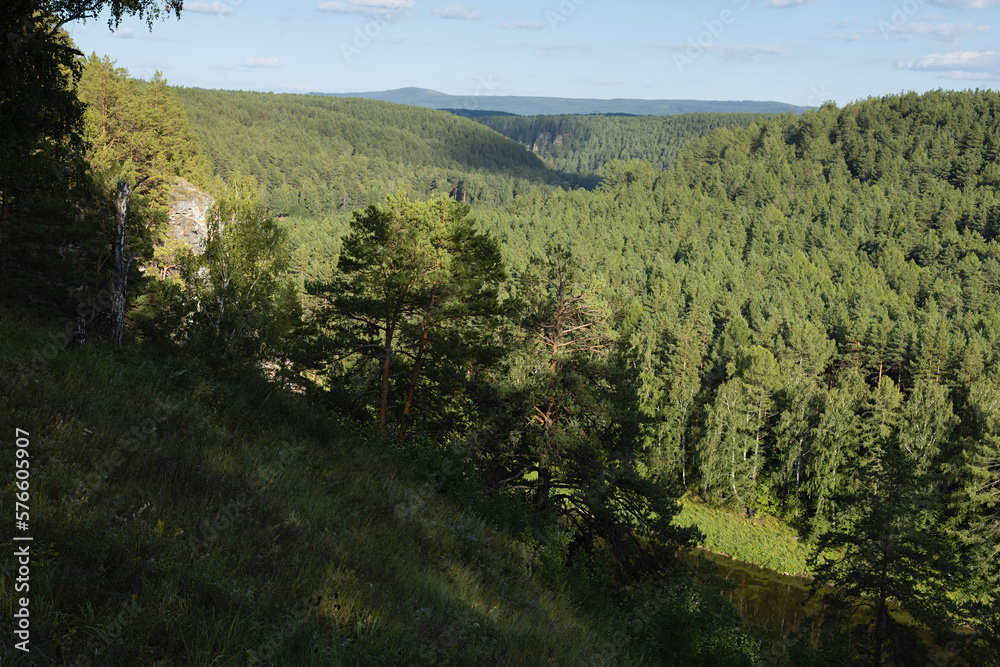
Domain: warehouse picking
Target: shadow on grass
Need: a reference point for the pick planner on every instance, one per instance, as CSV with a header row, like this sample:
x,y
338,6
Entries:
x,y
183,519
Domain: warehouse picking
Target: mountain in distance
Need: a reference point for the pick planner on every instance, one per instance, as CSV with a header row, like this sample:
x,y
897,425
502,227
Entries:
x,y
554,106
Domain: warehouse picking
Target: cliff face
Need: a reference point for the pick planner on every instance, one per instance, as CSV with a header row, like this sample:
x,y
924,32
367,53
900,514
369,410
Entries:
x,y
186,212
544,139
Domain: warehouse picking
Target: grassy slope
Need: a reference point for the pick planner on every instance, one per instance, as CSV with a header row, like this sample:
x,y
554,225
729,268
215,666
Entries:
x,y
179,520
763,540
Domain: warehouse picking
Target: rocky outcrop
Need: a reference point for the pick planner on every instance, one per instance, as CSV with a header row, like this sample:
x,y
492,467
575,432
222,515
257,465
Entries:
x,y
186,210
544,139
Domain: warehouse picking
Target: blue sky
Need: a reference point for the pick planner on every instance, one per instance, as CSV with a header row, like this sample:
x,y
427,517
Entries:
x,y
796,51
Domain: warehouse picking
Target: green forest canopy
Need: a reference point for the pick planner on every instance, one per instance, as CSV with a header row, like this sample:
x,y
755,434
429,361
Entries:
x,y
789,271
803,308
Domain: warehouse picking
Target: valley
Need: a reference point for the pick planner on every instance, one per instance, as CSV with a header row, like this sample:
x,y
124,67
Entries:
x,y
399,378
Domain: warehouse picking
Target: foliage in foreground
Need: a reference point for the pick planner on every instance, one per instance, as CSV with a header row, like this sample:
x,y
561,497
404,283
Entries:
x,y
181,518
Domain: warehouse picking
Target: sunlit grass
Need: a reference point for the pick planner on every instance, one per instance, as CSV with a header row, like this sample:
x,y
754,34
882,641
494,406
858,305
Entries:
x,y
763,540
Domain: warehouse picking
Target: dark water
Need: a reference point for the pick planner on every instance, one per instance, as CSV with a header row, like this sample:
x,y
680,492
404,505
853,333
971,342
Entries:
x,y
775,601
763,597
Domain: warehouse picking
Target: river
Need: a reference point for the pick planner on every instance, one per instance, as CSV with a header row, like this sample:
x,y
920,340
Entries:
x,y
765,598
775,601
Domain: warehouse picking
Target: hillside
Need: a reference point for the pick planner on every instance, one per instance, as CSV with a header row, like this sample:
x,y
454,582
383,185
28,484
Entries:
x,y
180,517
844,247
235,520
317,159
584,144
533,106
317,156
468,443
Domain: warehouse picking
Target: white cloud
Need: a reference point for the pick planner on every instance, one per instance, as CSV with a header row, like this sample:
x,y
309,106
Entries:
x,y
125,33
729,52
971,76
380,9
789,3
522,25
562,49
965,4
745,52
956,65
460,12
209,8
262,62
843,23
951,33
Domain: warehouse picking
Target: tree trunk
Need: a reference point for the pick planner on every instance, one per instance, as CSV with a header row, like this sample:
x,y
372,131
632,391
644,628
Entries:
x,y
119,265
383,403
411,392
544,482
404,423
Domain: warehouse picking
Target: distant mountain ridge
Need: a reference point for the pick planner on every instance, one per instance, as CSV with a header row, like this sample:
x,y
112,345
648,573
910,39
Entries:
x,y
533,106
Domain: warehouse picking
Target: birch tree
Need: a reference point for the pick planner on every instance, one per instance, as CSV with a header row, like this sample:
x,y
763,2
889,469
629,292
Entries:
x,y
235,291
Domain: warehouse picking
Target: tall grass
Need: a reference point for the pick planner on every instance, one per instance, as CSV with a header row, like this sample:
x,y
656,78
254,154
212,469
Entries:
x,y
185,519
763,540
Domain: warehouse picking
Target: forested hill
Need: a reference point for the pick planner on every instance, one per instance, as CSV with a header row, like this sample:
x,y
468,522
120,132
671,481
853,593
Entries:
x,y
314,155
584,144
901,184
531,106
819,336
799,319
807,282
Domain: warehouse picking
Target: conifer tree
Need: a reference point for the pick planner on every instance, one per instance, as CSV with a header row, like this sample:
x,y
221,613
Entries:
x,y
574,444
889,546
412,309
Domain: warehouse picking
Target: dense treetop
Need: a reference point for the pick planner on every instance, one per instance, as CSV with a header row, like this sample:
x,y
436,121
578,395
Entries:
x,y
790,315
584,144
320,155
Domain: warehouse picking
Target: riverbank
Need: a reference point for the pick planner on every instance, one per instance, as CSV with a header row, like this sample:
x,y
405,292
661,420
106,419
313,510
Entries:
x,y
763,541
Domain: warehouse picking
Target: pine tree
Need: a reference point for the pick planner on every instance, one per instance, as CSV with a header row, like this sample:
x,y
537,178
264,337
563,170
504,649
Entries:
x,y
574,445
977,510
412,309
889,549
835,448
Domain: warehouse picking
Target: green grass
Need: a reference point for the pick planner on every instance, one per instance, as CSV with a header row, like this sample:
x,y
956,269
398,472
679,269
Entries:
x,y
180,519
763,541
